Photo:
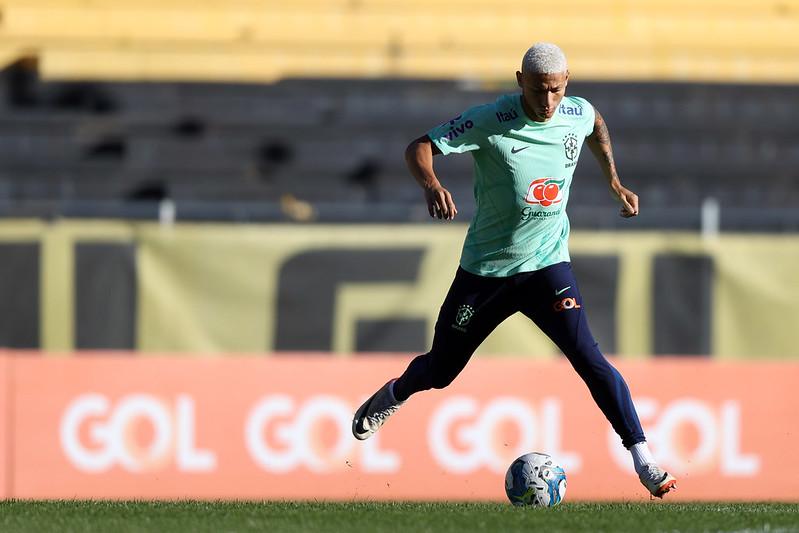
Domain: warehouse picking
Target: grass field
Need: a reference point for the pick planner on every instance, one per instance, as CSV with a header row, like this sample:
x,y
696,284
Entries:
x,y
119,517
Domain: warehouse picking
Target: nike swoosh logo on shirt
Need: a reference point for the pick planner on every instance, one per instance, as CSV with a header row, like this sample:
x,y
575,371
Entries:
x,y
558,293
515,151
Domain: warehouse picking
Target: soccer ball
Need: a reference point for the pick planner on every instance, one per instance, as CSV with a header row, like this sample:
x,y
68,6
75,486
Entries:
x,y
535,479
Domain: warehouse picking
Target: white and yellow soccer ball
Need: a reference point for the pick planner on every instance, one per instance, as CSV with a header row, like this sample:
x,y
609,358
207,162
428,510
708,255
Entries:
x,y
535,479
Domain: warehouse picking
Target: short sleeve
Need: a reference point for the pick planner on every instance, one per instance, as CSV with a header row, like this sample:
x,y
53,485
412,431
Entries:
x,y
465,133
590,115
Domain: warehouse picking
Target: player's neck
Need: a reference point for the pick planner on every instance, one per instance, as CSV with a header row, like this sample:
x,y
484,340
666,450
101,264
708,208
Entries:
x,y
529,112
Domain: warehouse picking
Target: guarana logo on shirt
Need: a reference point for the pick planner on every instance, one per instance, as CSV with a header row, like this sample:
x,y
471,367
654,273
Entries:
x,y
545,191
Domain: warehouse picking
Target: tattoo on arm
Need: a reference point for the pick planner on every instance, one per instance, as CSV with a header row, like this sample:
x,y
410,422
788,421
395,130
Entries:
x,y
599,142
603,137
601,130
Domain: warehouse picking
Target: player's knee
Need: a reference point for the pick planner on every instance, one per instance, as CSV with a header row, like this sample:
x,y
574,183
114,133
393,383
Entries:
x,y
443,380
587,348
433,370
588,360
443,376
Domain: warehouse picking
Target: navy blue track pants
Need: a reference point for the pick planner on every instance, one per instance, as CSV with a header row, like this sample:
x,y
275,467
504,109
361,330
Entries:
x,y
476,305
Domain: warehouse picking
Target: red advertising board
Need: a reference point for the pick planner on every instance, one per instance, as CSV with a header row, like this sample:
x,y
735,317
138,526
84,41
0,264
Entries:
x,y
279,428
5,429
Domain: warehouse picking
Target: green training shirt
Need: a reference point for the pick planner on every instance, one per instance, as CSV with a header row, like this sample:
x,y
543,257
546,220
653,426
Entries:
x,y
522,173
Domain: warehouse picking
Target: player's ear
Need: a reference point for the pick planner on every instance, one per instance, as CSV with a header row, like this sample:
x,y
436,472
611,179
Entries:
x,y
566,81
519,78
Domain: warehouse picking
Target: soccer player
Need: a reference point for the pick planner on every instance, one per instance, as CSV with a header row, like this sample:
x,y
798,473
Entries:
x,y
515,257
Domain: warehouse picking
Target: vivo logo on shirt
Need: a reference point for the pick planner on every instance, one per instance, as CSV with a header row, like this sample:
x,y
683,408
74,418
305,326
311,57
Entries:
x,y
456,131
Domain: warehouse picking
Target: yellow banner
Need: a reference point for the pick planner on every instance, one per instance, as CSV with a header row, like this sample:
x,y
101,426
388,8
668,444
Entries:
x,y
263,288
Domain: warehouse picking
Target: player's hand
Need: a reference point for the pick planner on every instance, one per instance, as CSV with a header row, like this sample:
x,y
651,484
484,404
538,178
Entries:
x,y
628,200
439,203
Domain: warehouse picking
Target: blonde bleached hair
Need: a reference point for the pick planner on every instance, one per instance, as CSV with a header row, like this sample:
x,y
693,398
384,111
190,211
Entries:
x,y
544,58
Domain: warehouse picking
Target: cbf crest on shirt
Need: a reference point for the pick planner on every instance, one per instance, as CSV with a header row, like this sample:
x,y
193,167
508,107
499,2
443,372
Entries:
x,y
522,174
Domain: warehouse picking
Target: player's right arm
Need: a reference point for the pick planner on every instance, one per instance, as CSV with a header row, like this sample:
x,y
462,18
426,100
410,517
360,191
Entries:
x,y
419,158
467,132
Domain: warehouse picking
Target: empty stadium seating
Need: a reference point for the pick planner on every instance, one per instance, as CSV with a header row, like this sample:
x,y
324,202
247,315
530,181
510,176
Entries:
x,y
338,145
114,100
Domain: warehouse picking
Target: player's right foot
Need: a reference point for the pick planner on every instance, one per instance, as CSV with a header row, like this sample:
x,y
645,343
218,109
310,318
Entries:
x,y
656,480
374,412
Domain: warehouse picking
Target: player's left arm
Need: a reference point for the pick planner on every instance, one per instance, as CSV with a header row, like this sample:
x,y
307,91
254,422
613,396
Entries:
x,y
599,143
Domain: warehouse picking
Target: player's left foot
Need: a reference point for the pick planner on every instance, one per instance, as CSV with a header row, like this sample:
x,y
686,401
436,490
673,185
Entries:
x,y
374,412
656,480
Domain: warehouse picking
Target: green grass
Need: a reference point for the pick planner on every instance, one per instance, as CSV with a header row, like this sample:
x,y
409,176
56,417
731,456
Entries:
x,y
120,517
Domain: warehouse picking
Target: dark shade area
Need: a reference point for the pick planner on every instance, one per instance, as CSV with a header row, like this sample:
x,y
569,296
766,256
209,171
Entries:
x,y
404,335
105,296
308,283
598,278
19,295
683,304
